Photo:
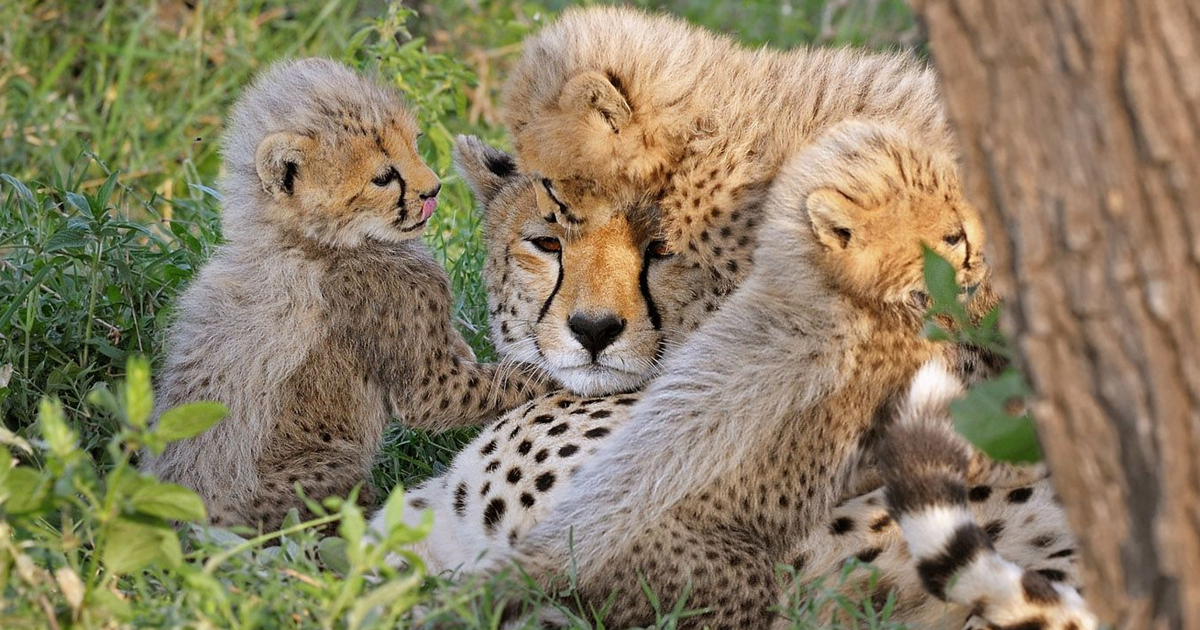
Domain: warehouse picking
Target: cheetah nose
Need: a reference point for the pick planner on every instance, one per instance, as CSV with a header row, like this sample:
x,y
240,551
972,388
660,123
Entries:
x,y
433,192
595,332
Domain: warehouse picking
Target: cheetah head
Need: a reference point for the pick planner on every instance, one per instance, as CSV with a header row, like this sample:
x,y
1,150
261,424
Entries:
x,y
330,155
872,198
593,304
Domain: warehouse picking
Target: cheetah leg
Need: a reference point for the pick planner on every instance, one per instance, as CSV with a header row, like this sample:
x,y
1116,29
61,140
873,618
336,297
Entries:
x,y
467,394
925,465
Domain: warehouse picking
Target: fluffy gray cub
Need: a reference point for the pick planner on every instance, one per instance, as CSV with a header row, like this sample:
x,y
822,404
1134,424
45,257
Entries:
x,y
323,314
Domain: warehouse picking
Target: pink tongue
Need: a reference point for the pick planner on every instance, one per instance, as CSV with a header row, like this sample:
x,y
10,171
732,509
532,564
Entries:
x,y
428,207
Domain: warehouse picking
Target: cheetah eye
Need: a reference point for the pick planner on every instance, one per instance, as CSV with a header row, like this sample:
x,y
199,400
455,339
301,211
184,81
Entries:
x,y
547,244
658,249
386,178
954,239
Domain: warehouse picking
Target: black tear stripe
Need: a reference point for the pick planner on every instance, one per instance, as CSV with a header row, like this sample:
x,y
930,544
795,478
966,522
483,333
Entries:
x,y
290,169
962,549
557,285
403,189
644,285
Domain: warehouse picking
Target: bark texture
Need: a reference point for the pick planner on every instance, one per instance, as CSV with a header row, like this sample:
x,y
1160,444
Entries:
x,y
1079,122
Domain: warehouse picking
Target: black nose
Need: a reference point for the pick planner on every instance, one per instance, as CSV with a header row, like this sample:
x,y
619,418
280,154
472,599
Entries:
x,y
432,193
595,332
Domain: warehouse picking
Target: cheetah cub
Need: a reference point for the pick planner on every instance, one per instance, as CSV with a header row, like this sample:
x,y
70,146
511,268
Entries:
x,y
323,314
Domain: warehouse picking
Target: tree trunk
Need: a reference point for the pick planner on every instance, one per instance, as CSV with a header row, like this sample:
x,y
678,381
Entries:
x,y
1079,122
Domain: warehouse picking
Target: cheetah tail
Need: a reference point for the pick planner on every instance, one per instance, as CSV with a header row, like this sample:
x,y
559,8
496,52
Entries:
x,y
924,464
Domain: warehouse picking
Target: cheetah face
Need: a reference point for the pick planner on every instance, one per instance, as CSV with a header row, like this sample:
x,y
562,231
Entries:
x,y
350,181
595,304
873,197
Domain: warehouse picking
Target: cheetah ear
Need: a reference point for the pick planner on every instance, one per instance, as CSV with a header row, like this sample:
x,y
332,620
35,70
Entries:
x,y
486,169
278,160
832,216
593,91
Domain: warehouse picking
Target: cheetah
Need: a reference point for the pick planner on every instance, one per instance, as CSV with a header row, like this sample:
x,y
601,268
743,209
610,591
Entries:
x,y
323,313
515,473
611,104
759,420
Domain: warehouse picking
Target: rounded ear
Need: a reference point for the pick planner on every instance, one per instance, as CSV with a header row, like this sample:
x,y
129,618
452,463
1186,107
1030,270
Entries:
x,y
593,91
832,216
485,169
278,160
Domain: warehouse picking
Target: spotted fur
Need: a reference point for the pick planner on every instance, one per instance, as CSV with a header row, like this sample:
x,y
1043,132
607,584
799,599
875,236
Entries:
x,y
323,314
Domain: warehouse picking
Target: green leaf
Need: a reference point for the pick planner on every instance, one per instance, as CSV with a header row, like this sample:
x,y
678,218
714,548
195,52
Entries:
x,y
23,192
981,418
57,434
132,545
940,283
393,509
139,396
169,501
24,490
352,527
332,551
189,420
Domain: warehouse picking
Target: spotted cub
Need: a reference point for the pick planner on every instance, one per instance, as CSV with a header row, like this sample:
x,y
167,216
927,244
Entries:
x,y
323,314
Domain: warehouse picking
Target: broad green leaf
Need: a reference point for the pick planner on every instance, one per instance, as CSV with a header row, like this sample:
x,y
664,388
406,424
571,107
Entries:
x,y
57,434
24,489
23,192
131,545
941,284
981,418
139,396
332,551
169,501
189,420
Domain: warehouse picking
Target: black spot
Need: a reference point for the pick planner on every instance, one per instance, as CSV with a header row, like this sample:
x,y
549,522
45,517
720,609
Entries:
x,y
598,432
488,448
541,456
960,551
881,523
1054,575
492,466
524,446
460,499
979,493
1063,553
1020,495
527,499
544,482
419,503
1043,541
994,529
325,437
625,401
543,419
563,404
841,526
603,413
869,555
567,450
514,475
487,487
558,429
493,513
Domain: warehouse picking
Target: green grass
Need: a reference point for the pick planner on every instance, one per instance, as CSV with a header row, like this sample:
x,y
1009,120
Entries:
x,y
110,119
